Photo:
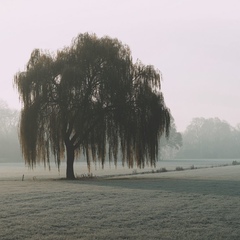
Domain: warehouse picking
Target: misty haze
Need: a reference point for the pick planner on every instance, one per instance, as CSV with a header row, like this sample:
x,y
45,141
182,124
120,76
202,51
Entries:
x,y
119,120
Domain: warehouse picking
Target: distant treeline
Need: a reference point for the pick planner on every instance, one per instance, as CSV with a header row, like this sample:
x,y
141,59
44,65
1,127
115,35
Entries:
x,y
209,139
9,144
203,139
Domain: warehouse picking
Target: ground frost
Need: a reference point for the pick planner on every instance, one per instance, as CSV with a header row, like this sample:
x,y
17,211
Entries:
x,y
143,208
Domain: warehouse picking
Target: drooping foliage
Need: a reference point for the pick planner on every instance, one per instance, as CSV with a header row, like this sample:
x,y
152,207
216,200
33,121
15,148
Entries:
x,y
90,98
170,146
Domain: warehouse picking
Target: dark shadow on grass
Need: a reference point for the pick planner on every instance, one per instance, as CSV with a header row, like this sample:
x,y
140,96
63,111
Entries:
x,y
203,187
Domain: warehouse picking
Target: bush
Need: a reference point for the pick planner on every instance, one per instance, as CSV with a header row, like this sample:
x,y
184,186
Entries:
x,y
134,171
179,169
235,163
161,170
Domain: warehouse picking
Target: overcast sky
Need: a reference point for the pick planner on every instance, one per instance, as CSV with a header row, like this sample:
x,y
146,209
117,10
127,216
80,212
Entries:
x,y
194,43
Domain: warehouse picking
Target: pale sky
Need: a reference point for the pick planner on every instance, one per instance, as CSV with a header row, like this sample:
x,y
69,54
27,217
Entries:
x,y
194,43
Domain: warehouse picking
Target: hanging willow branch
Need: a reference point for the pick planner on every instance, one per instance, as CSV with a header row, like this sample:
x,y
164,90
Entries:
x,y
92,97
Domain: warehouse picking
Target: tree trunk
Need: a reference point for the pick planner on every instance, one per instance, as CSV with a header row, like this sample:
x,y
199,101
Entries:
x,y
70,161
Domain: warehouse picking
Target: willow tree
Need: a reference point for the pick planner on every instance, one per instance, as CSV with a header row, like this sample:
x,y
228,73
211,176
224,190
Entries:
x,y
90,98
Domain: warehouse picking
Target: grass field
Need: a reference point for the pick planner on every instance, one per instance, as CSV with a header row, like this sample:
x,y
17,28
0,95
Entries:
x,y
191,204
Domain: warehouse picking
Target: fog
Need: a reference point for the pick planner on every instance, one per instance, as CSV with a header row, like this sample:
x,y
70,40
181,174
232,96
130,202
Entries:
x,y
211,139
194,43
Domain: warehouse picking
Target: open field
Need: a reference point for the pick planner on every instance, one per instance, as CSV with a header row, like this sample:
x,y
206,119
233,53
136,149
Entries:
x,y
190,204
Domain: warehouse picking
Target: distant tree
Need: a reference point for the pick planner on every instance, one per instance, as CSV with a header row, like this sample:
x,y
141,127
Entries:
x,y
236,141
9,145
210,138
90,98
169,146
8,118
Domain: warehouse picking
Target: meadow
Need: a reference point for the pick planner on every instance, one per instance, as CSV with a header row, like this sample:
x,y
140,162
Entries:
x,y
200,203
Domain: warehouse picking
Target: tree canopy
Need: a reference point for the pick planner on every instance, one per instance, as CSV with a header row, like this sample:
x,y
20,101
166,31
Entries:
x,y
171,144
210,138
90,98
9,145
